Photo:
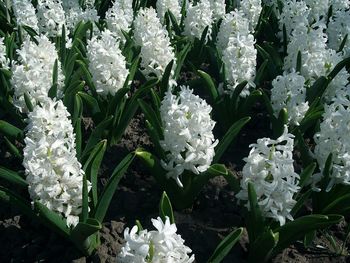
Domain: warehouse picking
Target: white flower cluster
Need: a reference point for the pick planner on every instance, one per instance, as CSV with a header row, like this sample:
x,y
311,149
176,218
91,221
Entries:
x,y
252,10
219,9
32,74
269,167
172,5
4,61
51,17
198,17
119,17
25,14
333,137
166,245
338,5
106,63
156,51
188,134
53,173
75,14
238,51
289,92
317,9
338,28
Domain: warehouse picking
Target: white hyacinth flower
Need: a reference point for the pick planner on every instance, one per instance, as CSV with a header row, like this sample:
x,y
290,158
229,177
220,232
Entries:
x,y
339,5
232,24
333,137
318,9
156,51
25,14
338,28
198,17
119,17
75,14
166,245
32,74
219,9
4,61
188,134
252,9
53,173
172,5
51,17
289,92
106,63
269,167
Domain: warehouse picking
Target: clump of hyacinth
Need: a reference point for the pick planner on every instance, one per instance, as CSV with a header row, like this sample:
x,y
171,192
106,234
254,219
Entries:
x,y
156,51
232,24
338,28
294,16
51,17
75,14
106,63
119,17
25,15
219,9
188,134
198,17
4,61
333,137
252,9
53,173
173,6
160,245
32,73
289,92
269,167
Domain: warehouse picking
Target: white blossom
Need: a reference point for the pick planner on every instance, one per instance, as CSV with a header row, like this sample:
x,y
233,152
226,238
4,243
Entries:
x,y
119,17
188,134
198,17
172,5
156,51
166,245
219,9
317,9
232,24
338,28
53,173
51,17
32,74
289,92
4,61
252,9
339,5
75,13
25,15
333,137
106,63
269,167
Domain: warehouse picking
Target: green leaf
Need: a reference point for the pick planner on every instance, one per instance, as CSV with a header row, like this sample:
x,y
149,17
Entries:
x,y
309,238
298,66
78,137
342,64
303,148
11,131
261,74
96,136
209,84
28,102
164,84
180,58
341,205
342,45
306,174
12,148
262,248
87,77
85,202
151,117
12,177
294,230
53,90
52,219
317,89
132,71
92,166
301,201
228,138
108,191
173,20
166,209
225,246
255,220
91,102
85,229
